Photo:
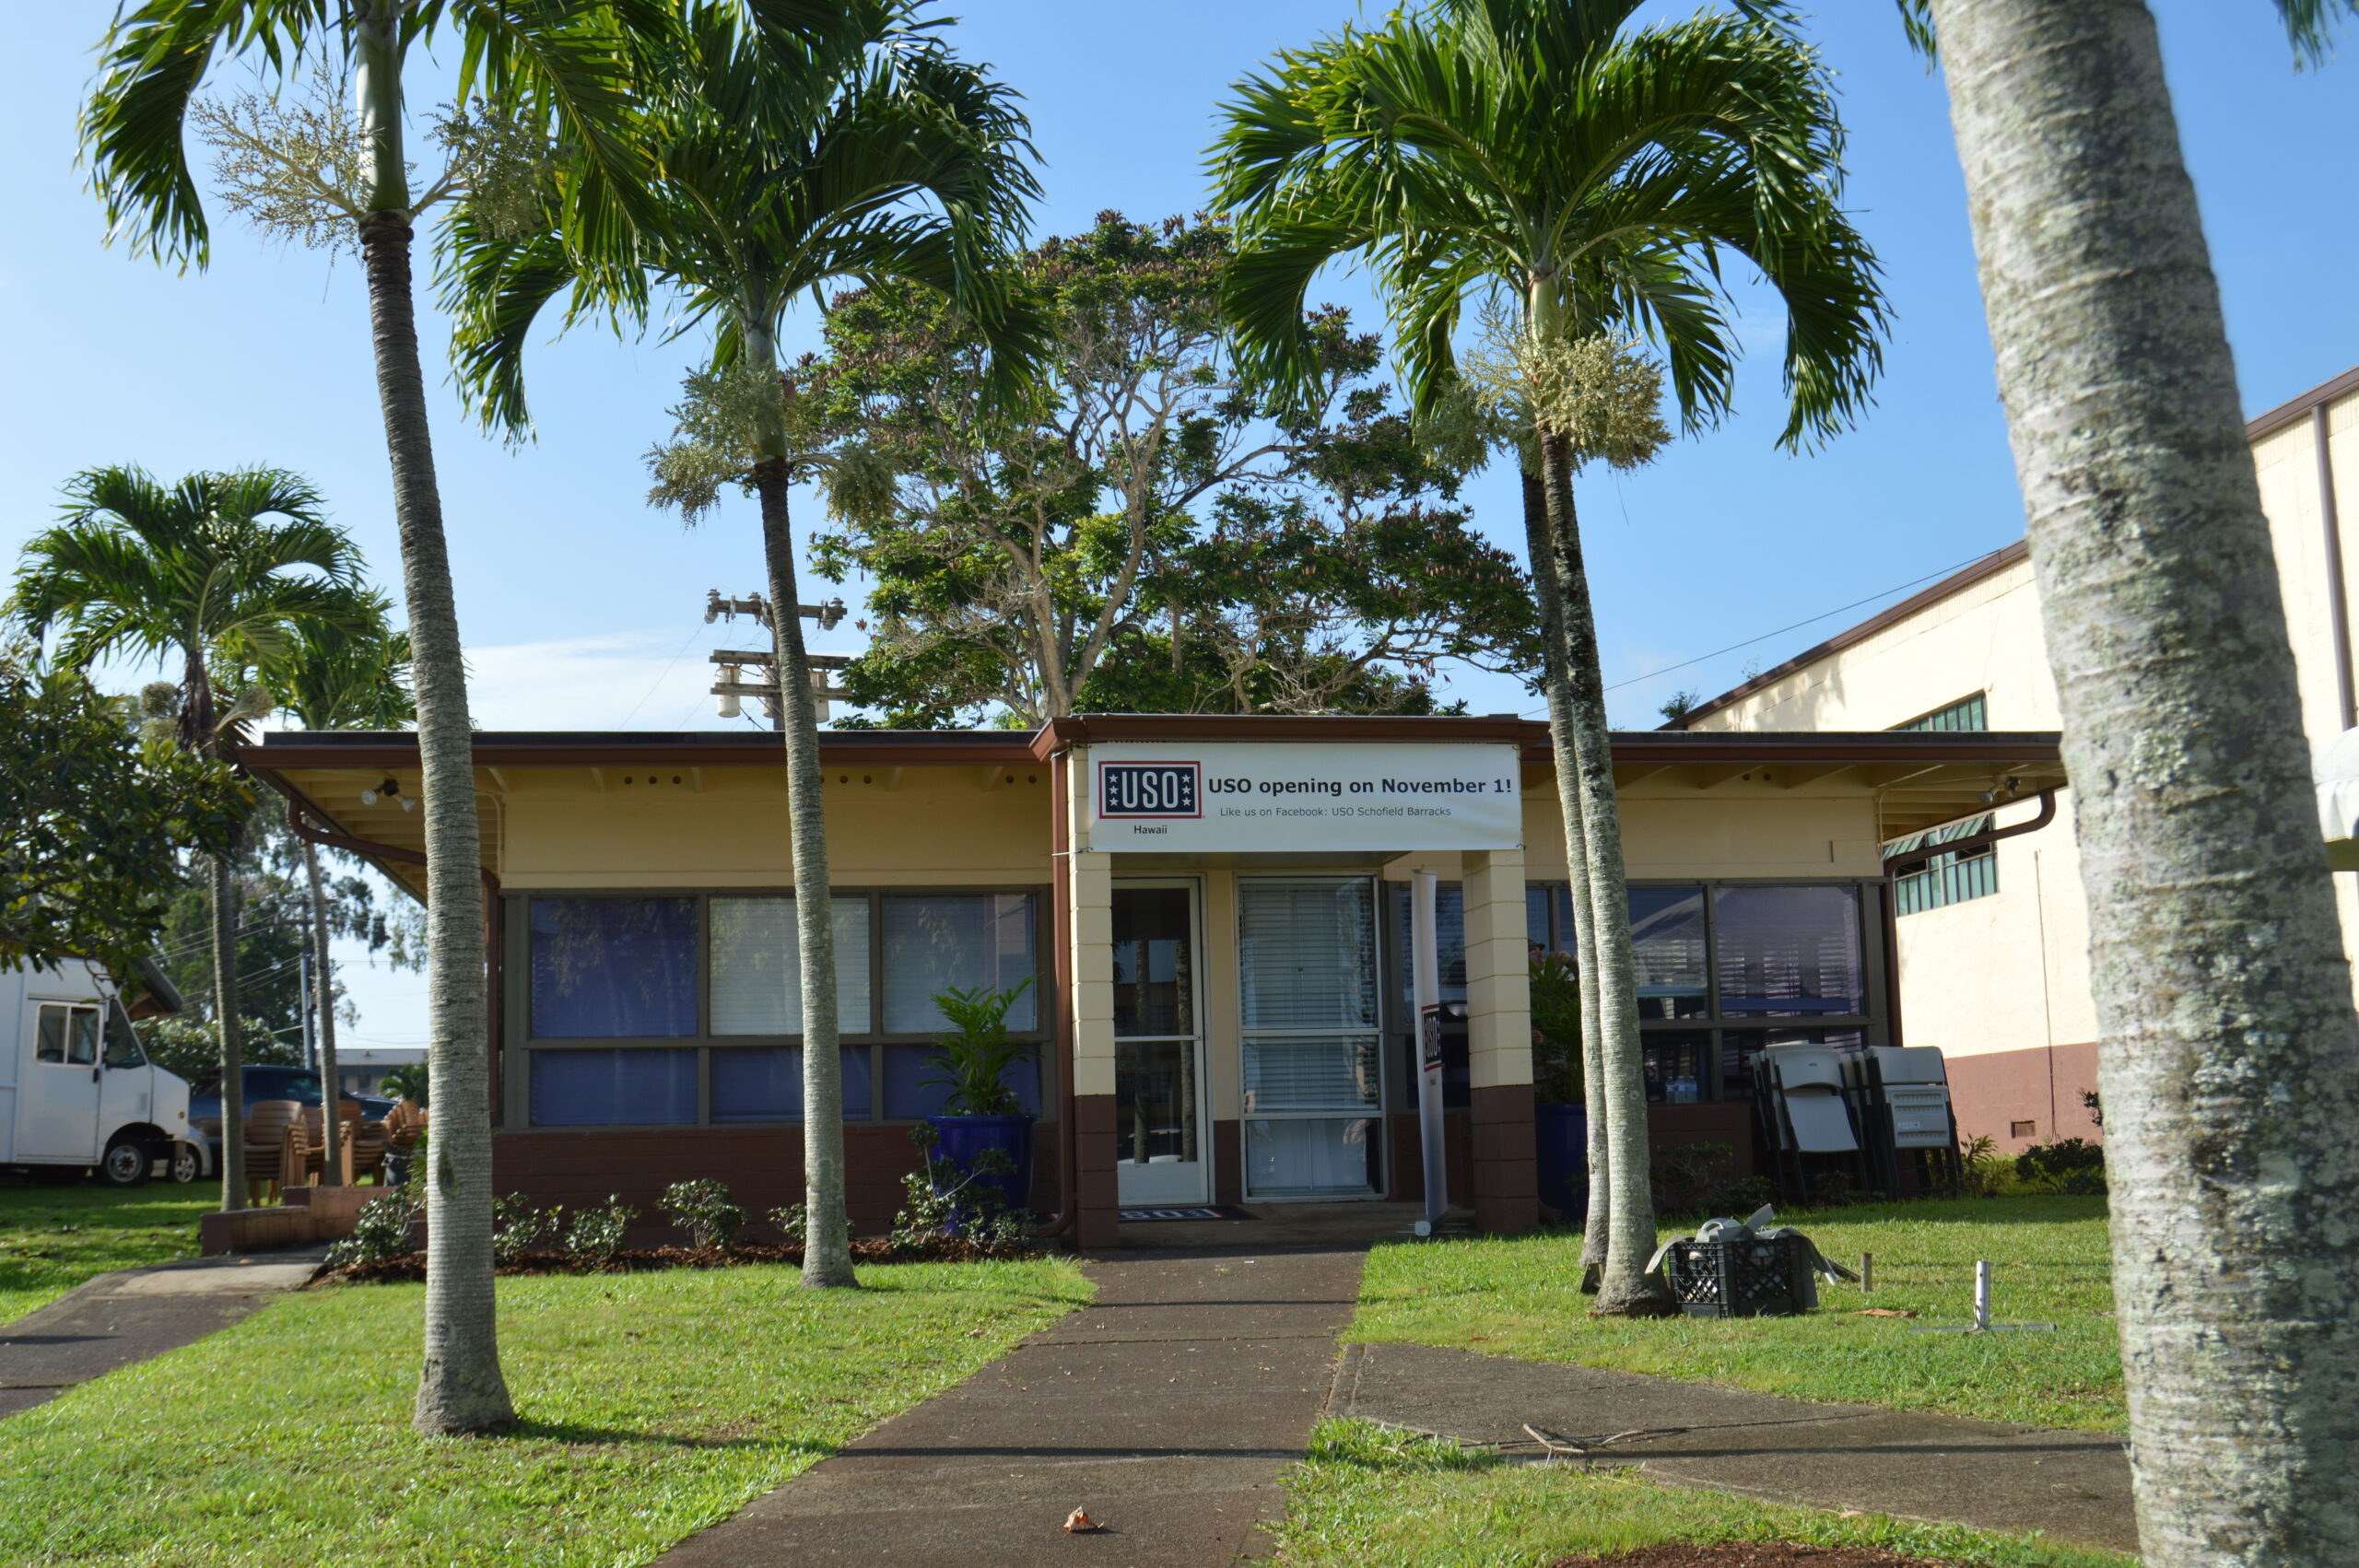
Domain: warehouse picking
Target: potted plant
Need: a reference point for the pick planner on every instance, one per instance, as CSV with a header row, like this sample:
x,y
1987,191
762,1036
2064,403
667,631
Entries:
x,y
982,1112
1560,1116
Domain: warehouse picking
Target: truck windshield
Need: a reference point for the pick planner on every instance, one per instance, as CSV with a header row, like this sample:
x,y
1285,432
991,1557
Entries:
x,y
123,1044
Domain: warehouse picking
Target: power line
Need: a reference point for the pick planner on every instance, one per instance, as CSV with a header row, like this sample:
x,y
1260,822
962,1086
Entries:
x,y
1764,637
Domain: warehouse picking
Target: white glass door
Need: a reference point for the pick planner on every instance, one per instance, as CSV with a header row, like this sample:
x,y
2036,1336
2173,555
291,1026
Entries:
x,y
1159,1143
1313,1090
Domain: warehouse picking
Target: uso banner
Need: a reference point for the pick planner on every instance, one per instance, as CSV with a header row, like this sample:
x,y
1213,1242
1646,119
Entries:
x,y
1305,796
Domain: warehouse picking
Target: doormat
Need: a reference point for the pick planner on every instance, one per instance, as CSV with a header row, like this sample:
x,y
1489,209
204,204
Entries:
x,y
1185,1211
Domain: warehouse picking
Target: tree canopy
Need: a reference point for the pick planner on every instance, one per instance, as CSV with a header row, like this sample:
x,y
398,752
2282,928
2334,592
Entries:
x,y
1144,529
94,817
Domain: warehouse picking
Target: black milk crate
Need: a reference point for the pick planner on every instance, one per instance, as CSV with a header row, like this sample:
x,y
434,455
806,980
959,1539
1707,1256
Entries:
x,y
1753,1278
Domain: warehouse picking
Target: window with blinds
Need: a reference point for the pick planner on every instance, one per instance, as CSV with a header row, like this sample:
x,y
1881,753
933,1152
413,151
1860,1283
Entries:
x,y
934,942
756,957
1307,955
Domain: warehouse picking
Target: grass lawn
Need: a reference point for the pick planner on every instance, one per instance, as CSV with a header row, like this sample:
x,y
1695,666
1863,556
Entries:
x,y
652,1405
1368,1496
1520,1296
52,1238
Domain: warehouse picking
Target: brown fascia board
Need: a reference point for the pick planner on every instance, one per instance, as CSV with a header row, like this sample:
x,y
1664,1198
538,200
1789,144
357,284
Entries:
x,y
1085,727
1678,747
276,754
549,748
1997,561
2286,413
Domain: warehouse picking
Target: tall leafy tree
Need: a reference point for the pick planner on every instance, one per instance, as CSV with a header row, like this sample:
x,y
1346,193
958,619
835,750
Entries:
x,y
1144,531
554,76
340,676
94,817
785,158
2228,1053
1592,179
215,572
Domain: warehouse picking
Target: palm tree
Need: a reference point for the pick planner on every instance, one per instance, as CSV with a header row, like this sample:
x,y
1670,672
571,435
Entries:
x,y
553,64
863,151
1592,182
349,675
2228,1055
217,572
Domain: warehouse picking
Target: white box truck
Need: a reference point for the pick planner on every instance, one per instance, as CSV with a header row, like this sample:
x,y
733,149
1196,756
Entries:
x,y
76,1092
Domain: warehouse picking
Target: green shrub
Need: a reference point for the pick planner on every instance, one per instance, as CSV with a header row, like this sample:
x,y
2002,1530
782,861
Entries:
x,y
518,1228
793,1223
940,1202
975,1057
380,1230
596,1234
1982,1170
2071,1165
705,1209
1556,1078
1688,1175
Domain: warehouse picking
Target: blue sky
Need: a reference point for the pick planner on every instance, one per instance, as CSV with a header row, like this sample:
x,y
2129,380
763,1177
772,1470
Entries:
x,y
583,609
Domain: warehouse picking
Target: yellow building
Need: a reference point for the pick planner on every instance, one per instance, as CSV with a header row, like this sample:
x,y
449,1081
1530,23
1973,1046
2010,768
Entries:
x,y
1993,937
1212,911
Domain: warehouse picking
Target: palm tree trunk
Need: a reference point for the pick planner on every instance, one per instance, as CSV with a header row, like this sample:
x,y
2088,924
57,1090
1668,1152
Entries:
x,y
2229,1054
827,1248
1569,803
224,890
323,1007
460,1388
1624,1289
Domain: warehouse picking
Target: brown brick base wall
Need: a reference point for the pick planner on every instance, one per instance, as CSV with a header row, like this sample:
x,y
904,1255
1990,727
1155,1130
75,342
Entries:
x,y
762,1165
2020,1098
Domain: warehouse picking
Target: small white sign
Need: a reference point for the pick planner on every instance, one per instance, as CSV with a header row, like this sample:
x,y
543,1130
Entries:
x,y
1303,795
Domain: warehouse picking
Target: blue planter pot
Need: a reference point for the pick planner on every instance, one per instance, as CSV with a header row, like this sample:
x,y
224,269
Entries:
x,y
1560,1135
964,1137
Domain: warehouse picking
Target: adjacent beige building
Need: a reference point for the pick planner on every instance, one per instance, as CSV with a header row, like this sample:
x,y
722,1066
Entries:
x,y
1992,941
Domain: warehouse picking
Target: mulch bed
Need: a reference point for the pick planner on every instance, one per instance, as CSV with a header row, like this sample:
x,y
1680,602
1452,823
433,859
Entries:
x,y
1747,1554
411,1266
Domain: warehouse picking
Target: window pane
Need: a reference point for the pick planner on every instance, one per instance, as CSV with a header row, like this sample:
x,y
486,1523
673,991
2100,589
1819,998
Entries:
x,y
757,966
1312,1159
1154,981
1316,1074
1667,942
910,1097
935,941
1307,954
1450,939
122,1044
51,1043
765,1084
615,967
650,1086
1789,951
82,1038
1535,917
1677,1064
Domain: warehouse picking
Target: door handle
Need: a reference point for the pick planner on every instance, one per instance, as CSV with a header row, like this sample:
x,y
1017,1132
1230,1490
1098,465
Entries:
x,y
95,1074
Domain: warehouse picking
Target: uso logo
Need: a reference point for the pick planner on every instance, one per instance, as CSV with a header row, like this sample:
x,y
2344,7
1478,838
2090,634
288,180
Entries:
x,y
1149,788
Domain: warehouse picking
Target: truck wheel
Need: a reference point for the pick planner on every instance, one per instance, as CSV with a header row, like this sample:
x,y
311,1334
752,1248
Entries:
x,y
124,1164
185,1167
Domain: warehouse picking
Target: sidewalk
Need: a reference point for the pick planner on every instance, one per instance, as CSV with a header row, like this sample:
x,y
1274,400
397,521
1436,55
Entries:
x,y
119,1318
2074,1485
1168,1409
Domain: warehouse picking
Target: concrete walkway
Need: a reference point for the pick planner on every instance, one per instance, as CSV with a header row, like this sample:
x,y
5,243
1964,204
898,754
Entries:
x,y
119,1318
2074,1485
1166,1409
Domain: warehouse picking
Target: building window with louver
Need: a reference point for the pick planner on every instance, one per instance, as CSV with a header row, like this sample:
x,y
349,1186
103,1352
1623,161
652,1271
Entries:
x,y
1947,879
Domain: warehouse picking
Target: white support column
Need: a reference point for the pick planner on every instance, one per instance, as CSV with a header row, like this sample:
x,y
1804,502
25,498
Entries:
x,y
1089,963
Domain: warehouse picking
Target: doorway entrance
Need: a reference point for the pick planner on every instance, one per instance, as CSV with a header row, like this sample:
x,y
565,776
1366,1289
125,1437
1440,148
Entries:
x,y
1313,1089
1159,1145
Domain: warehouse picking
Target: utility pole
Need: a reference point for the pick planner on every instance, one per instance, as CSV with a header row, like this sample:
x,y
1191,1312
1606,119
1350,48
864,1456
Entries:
x,y
303,1005
733,683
